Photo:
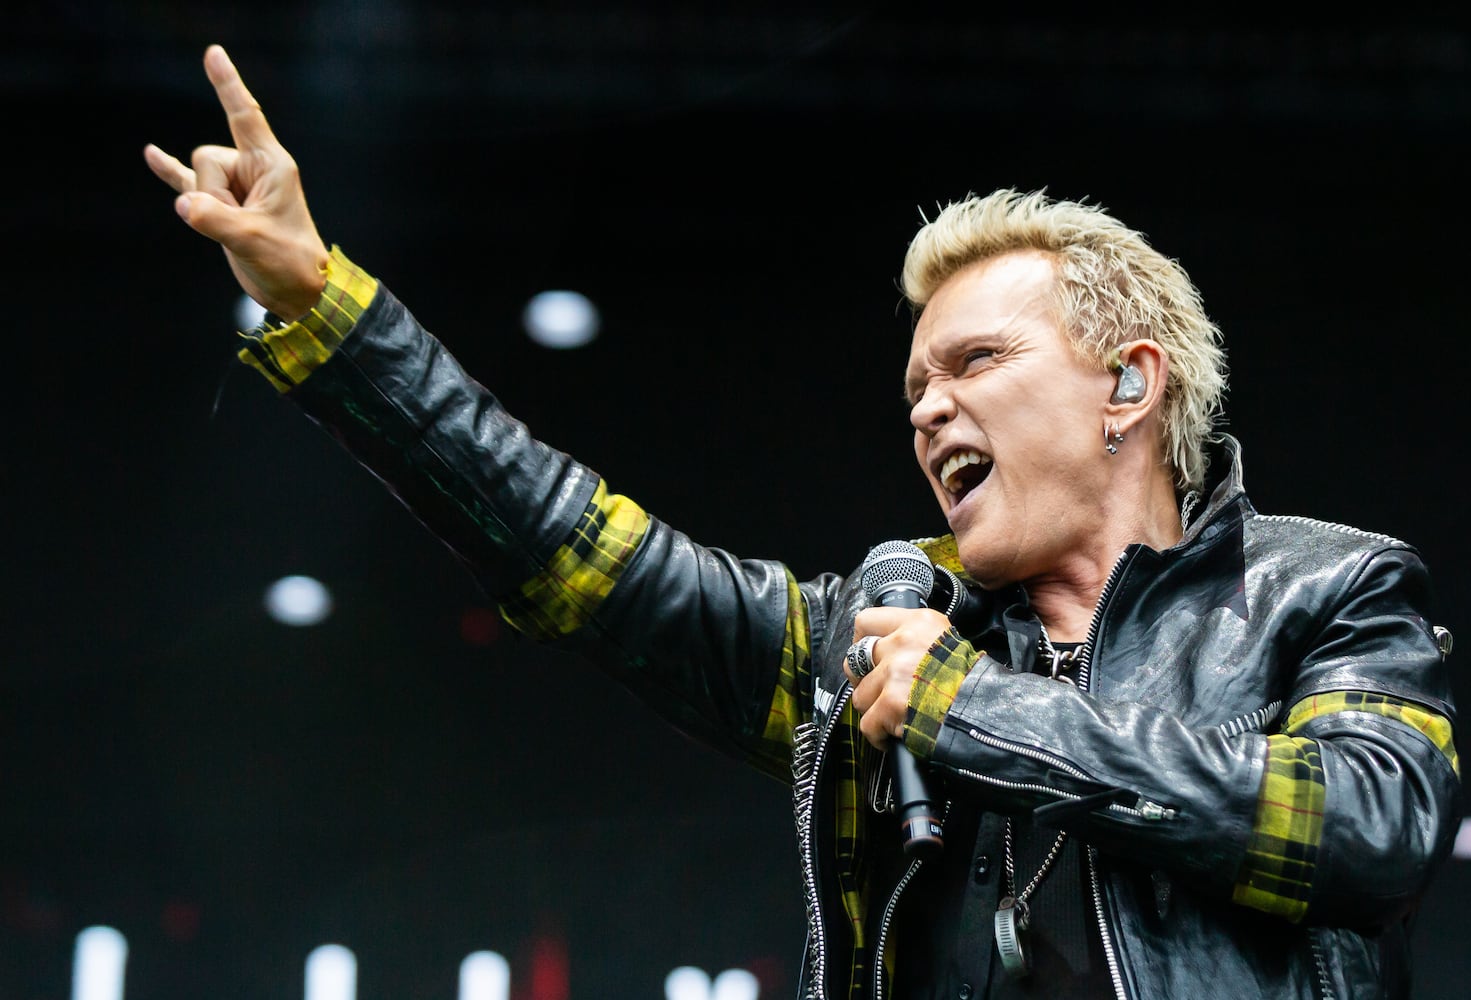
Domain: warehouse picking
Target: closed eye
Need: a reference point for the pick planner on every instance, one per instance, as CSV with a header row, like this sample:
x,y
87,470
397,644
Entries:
x,y
914,391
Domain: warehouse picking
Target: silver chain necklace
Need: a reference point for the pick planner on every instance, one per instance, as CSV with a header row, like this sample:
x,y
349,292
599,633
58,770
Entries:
x,y
1062,660
1013,915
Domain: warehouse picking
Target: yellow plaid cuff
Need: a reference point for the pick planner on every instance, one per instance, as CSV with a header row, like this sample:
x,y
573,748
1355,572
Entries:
x,y
1277,874
287,354
786,711
565,596
1437,728
936,682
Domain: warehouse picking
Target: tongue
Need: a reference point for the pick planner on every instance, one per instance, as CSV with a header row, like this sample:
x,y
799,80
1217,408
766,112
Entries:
x,y
969,477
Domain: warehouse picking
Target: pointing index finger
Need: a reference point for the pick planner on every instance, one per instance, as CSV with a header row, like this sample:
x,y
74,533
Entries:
x,y
247,122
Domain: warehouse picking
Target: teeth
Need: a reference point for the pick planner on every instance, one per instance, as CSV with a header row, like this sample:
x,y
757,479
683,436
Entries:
x,y
955,463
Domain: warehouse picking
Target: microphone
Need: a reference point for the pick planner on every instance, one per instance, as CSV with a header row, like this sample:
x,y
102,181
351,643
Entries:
x,y
899,575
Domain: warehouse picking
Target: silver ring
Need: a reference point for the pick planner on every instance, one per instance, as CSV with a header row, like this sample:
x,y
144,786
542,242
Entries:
x,y
860,655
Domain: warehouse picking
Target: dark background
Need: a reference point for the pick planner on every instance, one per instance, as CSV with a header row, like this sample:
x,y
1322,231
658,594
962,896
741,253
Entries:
x,y
735,189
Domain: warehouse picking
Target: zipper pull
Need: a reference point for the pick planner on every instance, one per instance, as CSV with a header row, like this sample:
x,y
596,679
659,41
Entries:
x,y
1153,810
1057,814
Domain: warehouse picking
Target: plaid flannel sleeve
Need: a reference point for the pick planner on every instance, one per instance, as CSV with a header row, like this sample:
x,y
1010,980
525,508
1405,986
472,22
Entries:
x,y
1287,834
937,680
286,353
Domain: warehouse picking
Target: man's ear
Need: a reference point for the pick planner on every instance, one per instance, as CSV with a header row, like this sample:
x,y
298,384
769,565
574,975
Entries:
x,y
1141,367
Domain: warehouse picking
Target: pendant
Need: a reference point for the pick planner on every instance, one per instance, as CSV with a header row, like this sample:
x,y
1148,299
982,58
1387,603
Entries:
x,y
1012,920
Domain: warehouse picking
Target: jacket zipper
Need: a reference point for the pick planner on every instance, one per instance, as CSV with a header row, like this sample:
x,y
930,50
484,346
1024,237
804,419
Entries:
x,y
878,954
1147,809
1325,984
903,883
1090,856
1142,809
818,931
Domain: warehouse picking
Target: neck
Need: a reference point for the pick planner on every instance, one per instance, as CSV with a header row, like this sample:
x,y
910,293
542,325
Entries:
x,y
1065,609
1066,599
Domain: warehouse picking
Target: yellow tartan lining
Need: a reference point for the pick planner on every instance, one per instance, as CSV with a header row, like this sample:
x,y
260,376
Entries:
x,y
1436,727
937,680
849,801
786,712
581,573
287,354
943,550
1276,874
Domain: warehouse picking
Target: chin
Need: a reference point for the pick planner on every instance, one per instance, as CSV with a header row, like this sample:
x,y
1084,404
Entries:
x,y
981,566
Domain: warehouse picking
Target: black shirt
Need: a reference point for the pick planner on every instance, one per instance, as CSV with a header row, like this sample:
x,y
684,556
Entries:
x,y
945,928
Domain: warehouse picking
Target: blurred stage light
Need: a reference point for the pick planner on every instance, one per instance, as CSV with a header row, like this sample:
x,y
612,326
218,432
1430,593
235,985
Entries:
x,y
690,983
1462,848
560,319
180,920
248,313
480,626
298,600
331,973
98,964
485,975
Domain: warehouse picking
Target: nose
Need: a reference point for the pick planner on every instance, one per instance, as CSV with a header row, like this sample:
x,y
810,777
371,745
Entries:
x,y
934,410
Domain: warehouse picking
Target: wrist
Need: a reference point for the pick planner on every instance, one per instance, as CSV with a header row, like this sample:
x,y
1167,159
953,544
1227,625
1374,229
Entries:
x,y
307,290
286,352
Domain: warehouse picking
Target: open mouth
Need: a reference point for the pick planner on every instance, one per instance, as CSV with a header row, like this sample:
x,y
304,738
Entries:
x,y
964,471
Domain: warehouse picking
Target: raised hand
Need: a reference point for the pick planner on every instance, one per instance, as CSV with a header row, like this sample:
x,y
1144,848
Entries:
x,y
249,199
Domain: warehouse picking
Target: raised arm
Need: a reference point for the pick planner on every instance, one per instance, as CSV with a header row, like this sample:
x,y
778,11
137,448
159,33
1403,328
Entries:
x,y
716,644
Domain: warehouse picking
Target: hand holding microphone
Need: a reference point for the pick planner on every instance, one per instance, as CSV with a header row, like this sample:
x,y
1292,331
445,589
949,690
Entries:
x,y
899,575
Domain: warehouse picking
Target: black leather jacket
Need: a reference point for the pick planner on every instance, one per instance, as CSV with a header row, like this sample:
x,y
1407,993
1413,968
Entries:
x,y
1251,626
1199,652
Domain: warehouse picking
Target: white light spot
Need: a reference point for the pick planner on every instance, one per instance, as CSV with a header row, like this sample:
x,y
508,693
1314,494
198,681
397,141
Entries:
x,y
97,966
736,984
331,973
485,975
298,600
690,983
687,983
1462,848
248,313
561,319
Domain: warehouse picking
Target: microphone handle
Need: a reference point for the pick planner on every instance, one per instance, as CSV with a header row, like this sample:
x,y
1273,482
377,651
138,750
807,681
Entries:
x,y
919,819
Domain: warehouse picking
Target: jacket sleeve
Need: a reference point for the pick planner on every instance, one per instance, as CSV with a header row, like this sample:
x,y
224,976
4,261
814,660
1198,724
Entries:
x,y
1340,816
717,645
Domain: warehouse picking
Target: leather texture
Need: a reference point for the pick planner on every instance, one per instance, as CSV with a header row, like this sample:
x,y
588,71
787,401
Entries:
x,y
1199,652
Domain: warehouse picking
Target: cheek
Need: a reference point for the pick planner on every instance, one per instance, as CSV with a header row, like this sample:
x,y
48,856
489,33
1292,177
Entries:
x,y
921,456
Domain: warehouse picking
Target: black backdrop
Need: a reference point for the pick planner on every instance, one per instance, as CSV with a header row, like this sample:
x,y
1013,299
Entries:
x,y
735,190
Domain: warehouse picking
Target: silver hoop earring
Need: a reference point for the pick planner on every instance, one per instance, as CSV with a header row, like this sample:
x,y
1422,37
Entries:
x,y
1112,438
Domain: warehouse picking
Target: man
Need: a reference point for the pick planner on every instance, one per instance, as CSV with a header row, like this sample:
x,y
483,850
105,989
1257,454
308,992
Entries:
x,y
1174,746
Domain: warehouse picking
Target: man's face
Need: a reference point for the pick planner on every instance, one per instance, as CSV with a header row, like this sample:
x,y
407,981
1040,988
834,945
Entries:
x,y
1008,421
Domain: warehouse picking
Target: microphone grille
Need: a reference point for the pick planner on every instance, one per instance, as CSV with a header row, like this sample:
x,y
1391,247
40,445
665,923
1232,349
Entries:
x,y
894,562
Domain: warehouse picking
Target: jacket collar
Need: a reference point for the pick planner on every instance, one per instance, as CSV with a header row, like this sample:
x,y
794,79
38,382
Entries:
x,y
1224,486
